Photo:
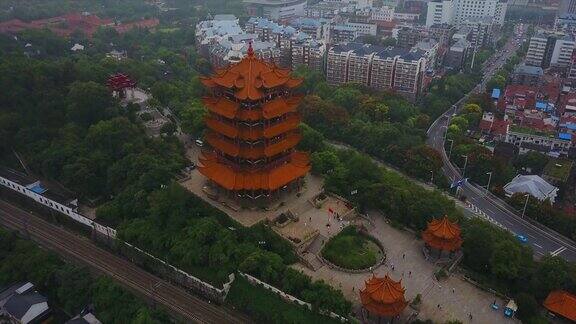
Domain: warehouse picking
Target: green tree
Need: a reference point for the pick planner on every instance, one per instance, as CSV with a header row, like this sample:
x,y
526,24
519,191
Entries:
x,y
88,102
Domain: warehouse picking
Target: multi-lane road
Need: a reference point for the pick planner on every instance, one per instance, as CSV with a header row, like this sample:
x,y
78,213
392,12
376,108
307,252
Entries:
x,y
543,240
68,244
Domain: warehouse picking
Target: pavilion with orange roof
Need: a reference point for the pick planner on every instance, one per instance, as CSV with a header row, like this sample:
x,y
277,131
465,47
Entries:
x,y
383,297
253,130
442,235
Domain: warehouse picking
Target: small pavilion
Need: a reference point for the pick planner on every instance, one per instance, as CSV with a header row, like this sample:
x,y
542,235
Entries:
x,y
383,297
443,236
119,83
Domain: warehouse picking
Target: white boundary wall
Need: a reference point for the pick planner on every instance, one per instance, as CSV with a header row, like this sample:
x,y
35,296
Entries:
x,y
191,282
57,207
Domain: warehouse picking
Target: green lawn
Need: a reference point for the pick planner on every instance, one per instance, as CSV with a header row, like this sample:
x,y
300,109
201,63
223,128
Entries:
x,y
351,250
263,306
558,168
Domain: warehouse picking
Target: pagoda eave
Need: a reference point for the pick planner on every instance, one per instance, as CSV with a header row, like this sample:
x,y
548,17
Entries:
x,y
268,180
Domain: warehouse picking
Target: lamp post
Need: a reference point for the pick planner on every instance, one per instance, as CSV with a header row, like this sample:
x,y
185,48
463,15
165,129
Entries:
x,y
465,163
525,204
450,150
489,178
431,176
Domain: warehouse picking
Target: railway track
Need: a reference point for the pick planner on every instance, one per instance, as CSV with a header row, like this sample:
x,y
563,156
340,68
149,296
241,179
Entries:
x,y
64,242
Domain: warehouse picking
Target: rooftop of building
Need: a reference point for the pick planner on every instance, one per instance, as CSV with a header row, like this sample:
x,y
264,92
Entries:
x,y
527,69
530,184
566,16
225,17
461,43
273,2
23,302
269,24
302,22
427,44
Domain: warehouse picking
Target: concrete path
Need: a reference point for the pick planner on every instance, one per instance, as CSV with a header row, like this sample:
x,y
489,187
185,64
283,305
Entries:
x,y
456,297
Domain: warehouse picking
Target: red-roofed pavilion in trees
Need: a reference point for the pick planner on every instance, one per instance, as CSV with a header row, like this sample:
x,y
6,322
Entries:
x,y
442,235
119,83
253,130
383,297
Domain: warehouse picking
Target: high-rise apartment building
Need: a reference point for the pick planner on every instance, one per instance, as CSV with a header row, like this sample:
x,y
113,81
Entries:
x,y
389,68
459,11
550,49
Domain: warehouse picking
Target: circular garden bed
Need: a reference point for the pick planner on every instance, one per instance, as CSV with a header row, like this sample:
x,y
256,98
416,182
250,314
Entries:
x,y
352,250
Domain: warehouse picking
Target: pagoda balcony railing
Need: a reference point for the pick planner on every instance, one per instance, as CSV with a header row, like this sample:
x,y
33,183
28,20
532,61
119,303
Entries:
x,y
260,165
262,149
257,131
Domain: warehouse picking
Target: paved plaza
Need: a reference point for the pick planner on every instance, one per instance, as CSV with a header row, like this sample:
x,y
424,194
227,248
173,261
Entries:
x,y
197,183
449,299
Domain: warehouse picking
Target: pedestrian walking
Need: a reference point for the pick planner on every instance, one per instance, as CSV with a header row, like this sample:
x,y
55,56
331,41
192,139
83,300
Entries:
x,y
403,256
438,306
409,274
453,290
470,316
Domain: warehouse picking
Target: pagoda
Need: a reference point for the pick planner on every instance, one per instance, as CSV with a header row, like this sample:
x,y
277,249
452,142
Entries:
x,y
442,235
383,297
253,130
119,83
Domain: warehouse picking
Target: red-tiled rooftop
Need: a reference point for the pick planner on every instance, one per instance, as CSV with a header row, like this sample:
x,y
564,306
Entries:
x,y
67,24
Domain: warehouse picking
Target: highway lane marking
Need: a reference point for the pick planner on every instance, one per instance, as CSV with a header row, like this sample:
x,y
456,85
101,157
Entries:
x,y
532,236
558,251
537,245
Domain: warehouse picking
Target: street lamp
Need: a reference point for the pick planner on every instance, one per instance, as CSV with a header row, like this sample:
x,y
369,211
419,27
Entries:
x,y
525,205
451,145
465,163
431,176
489,178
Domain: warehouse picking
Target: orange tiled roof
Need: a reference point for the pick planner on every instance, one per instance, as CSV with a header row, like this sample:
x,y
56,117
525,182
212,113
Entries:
x,y
443,234
250,77
280,106
383,296
561,303
226,176
221,106
253,152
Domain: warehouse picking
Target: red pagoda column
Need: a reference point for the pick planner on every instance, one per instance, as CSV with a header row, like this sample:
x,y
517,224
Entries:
x,y
253,129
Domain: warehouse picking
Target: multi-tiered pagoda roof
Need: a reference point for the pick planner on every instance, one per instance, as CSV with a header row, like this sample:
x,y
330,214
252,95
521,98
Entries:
x,y
442,234
383,296
253,128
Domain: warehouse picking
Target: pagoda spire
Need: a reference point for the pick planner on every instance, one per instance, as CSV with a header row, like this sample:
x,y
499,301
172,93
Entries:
x,y
250,49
